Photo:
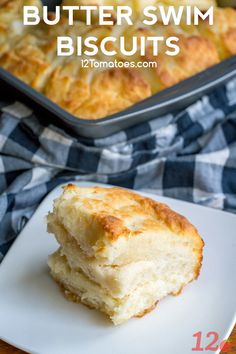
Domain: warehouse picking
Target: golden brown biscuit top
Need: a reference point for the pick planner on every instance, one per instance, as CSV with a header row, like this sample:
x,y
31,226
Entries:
x,y
223,32
116,226
124,213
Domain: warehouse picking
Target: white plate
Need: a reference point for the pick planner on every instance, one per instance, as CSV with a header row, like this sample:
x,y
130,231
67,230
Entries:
x,y
35,316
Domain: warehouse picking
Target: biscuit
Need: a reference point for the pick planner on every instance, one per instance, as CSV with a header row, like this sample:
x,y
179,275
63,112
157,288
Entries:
x,y
223,32
121,252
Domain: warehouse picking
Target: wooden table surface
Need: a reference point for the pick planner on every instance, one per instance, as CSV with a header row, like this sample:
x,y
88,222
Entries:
x,y
8,349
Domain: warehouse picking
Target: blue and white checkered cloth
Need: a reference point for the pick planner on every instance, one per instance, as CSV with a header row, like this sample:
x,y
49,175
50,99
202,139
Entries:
x,y
190,155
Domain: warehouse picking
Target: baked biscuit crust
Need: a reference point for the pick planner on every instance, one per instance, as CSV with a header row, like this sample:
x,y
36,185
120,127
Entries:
x,y
116,89
156,215
109,219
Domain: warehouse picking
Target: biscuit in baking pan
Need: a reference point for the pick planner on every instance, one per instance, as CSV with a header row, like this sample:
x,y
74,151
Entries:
x,y
108,91
223,32
91,93
120,252
11,24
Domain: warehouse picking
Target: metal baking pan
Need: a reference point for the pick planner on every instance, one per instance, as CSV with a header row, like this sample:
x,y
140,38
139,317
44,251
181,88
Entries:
x,y
174,98
171,99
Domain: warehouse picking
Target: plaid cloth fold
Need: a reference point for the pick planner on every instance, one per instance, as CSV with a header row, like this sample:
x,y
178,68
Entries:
x,y
190,155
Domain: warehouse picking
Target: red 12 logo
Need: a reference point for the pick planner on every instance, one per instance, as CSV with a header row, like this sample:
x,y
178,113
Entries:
x,y
225,346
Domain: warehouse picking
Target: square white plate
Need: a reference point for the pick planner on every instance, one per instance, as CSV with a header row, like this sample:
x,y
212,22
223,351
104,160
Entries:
x,y
35,316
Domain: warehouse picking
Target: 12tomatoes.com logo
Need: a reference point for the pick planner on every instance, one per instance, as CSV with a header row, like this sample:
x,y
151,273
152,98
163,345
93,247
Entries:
x,y
226,346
